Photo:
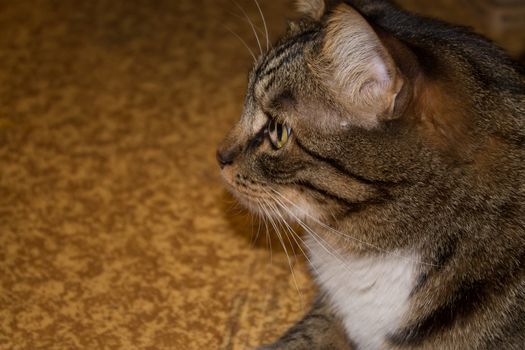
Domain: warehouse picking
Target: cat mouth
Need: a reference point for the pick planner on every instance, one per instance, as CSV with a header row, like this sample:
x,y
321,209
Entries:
x,y
254,195
268,200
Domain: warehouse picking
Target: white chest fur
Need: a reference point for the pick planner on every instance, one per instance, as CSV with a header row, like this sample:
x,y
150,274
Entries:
x,y
370,293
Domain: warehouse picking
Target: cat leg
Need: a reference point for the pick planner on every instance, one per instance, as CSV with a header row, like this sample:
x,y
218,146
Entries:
x,y
319,329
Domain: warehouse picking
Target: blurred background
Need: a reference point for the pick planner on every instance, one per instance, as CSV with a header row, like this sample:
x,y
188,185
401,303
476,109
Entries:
x,y
115,229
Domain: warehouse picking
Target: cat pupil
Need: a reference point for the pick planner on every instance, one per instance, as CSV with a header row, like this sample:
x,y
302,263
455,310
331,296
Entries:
x,y
272,126
278,133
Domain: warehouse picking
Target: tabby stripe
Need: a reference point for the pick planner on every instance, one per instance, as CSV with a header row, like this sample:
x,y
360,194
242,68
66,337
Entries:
x,y
284,176
283,59
328,194
277,55
270,72
335,164
462,304
261,70
258,139
269,84
277,64
273,64
278,60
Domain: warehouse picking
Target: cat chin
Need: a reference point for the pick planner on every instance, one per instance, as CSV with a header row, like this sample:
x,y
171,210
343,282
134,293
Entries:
x,y
299,212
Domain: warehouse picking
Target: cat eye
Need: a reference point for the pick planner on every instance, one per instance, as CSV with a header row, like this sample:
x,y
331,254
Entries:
x,y
278,133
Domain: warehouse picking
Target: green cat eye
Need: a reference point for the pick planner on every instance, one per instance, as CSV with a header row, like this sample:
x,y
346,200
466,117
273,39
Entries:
x,y
278,133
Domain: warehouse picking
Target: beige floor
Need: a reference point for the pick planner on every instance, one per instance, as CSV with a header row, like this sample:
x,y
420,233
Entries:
x,y
115,230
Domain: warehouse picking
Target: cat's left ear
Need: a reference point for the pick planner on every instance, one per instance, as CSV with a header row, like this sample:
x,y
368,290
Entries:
x,y
358,69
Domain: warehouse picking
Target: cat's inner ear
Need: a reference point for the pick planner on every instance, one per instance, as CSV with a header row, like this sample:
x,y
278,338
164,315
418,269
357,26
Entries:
x,y
357,68
314,9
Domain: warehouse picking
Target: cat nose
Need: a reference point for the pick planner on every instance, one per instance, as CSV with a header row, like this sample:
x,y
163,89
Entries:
x,y
225,157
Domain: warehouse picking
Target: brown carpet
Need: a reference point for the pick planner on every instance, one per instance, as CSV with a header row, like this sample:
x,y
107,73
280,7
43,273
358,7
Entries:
x,y
115,230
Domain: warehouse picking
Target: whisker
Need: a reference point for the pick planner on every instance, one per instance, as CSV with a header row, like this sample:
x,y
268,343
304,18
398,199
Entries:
x,y
280,221
272,222
323,243
294,235
291,230
251,24
268,240
259,219
242,18
314,235
287,256
252,214
265,26
243,42
235,208
346,236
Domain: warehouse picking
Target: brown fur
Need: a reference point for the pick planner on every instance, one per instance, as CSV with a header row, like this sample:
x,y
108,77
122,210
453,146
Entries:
x,y
409,138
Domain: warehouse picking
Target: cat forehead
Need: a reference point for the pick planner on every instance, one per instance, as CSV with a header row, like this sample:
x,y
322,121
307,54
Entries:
x,y
276,78
277,73
282,64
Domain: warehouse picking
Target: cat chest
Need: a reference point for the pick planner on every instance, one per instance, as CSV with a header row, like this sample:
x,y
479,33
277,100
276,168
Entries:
x,y
370,294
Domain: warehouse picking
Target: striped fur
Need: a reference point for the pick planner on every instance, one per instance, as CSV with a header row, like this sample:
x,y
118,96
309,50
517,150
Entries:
x,y
418,149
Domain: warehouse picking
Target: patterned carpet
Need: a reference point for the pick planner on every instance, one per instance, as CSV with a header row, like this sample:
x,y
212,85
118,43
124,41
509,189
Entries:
x,y
115,229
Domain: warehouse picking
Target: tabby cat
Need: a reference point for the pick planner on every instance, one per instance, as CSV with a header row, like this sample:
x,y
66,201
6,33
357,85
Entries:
x,y
398,143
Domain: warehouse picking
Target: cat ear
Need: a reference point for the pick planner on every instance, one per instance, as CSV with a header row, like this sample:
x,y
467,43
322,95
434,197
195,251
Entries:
x,y
314,9
358,69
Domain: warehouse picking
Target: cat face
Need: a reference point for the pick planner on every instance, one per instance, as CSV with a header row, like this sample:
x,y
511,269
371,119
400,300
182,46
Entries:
x,y
261,158
285,151
326,127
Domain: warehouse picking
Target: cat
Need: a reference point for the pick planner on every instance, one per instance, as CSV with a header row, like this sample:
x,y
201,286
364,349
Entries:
x,y
398,143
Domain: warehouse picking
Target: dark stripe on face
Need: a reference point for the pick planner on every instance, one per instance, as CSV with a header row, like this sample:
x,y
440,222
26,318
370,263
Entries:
x,y
269,83
289,57
277,169
258,139
271,71
339,167
325,193
277,54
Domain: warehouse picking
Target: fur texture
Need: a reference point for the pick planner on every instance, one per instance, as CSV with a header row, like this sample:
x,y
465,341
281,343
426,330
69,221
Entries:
x,y
407,142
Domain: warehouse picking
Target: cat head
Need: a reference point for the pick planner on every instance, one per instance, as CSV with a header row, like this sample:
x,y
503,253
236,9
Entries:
x,y
340,116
